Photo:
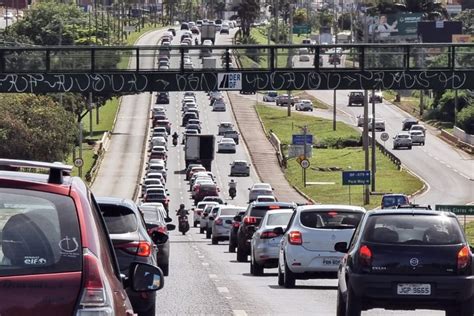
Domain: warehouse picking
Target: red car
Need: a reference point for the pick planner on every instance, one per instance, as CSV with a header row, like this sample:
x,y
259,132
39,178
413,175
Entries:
x,y
56,256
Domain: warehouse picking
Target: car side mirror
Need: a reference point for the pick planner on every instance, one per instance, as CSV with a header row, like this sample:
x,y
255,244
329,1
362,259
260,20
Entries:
x,y
341,247
170,227
168,220
211,218
145,277
238,218
159,238
278,230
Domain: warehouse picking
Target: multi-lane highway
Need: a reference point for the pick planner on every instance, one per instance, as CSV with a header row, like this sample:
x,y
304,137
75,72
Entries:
x,y
204,279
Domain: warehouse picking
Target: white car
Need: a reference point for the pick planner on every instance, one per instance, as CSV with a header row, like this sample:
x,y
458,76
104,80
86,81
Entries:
x,y
219,106
304,105
307,247
188,64
418,127
226,145
203,220
417,137
222,223
402,139
224,127
304,58
259,189
270,96
265,198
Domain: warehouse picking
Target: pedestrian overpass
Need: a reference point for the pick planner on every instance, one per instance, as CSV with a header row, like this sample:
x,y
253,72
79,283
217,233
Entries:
x,y
134,69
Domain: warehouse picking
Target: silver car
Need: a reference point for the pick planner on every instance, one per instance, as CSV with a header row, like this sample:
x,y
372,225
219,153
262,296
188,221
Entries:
x,y
417,137
265,242
307,247
403,139
222,221
259,189
198,210
240,167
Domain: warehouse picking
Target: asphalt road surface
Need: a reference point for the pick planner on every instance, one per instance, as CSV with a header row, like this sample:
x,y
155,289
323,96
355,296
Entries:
x,y
205,279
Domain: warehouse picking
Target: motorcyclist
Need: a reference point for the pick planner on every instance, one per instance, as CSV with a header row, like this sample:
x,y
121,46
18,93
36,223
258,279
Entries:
x,y
175,138
182,211
232,188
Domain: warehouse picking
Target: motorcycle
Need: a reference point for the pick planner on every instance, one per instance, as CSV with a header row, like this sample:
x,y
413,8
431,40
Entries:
x,y
175,141
232,193
183,224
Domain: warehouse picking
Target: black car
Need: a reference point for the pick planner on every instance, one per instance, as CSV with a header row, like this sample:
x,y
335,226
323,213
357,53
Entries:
x,y
233,231
406,259
163,98
251,219
173,31
356,98
131,243
158,229
188,116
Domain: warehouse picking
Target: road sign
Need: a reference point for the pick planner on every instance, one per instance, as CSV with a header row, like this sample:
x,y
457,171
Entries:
x,y
78,162
229,81
305,163
456,209
302,29
298,139
384,137
361,177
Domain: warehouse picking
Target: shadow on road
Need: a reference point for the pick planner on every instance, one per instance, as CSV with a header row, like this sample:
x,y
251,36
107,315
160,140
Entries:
x,y
260,276
306,287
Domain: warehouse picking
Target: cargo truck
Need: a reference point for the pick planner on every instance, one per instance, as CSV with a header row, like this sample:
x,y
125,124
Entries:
x,y
208,31
199,149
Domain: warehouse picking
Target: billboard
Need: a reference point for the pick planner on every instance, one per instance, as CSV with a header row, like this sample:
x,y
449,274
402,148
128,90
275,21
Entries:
x,y
462,38
399,24
439,31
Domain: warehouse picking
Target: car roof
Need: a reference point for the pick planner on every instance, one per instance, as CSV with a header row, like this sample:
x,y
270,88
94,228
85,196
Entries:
x,y
280,204
350,208
408,211
115,201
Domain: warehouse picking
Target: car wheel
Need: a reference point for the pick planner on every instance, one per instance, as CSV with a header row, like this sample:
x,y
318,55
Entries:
x,y
231,248
215,241
165,268
201,230
208,233
151,311
341,305
241,256
255,268
353,304
350,104
409,147
195,224
280,276
289,279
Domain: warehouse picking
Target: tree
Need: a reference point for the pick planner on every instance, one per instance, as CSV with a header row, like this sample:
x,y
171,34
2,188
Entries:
x,y
300,17
466,119
35,128
248,11
219,9
467,19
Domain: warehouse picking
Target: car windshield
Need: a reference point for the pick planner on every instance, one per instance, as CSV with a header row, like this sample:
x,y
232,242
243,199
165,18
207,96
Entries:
x,y
403,136
279,219
413,229
330,219
240,163
272,94
119,219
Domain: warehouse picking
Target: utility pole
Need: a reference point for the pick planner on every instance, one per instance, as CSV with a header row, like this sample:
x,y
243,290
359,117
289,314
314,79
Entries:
x,y
334,111
372,182
290,54
305,153
365,133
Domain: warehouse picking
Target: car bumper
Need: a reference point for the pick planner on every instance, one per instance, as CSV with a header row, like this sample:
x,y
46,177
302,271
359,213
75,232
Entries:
x,y
267,254
300,260
220,232
381,291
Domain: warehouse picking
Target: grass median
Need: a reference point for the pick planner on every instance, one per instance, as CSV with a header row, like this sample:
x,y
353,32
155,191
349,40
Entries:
x,y
327,164
469,229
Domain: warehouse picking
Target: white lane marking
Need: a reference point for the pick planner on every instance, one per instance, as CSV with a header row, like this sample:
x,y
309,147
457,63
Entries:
x,y
205,263
228,297
223,289
201,257
212,276
239,312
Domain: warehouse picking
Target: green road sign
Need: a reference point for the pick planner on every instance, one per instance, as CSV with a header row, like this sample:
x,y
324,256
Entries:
x,y
301,29
456,209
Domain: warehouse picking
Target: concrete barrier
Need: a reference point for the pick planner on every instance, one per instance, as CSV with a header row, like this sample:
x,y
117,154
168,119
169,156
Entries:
x,y
463,136
457,142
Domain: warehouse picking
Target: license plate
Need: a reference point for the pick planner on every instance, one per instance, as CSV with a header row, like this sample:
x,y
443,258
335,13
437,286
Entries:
x,y
414,289
331,261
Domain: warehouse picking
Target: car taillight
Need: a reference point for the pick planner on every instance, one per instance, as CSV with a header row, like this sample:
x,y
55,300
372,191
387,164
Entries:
x,y
218,221
464,257
141,249
365,256
250,220
95,296
236,224
268,234
295,238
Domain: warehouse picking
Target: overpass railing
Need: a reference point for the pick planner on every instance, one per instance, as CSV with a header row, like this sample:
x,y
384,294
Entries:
x,y
326,58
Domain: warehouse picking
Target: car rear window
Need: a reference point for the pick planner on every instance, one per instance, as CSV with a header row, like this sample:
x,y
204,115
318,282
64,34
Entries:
x,y
261,210
230,211
330,219
272,94
388,201
119,219
279,219
413,229
39,233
